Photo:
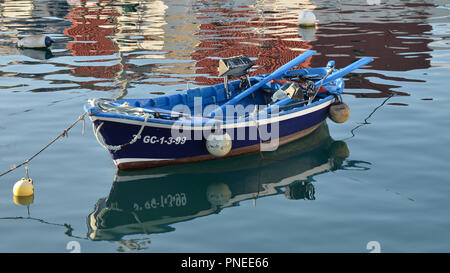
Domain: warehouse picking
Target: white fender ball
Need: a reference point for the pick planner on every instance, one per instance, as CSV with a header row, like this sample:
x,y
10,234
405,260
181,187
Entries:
x,y
307,18
35,41
219,145
339,112
23,187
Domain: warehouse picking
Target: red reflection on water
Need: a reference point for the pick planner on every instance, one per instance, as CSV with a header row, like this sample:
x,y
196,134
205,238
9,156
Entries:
x,y
271,39
91,27
397,47
235,38
88,25
394,47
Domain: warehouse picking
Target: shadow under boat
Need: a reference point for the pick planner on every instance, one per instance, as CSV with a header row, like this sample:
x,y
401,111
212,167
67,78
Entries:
x,y
146,202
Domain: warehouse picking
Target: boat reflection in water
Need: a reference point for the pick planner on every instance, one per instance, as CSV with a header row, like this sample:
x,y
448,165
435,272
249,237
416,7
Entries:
x,y
146,202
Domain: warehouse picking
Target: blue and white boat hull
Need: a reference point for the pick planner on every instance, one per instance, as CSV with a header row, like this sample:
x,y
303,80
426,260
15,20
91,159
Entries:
x,y
157,146
278,108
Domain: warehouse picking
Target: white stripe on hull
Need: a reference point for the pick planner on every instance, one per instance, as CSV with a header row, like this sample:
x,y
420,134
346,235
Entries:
x,y
225,126
128,160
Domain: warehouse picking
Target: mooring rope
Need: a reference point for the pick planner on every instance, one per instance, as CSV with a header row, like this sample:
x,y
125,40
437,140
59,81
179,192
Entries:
x,y
63,134
118,147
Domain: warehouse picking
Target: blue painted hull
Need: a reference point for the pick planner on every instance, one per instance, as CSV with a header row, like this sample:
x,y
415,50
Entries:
x,y
139,133
157,147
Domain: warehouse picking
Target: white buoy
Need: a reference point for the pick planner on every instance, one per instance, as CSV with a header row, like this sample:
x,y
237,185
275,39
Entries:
x,y
307,18
35,41
339,112
218,194
23,187
219,145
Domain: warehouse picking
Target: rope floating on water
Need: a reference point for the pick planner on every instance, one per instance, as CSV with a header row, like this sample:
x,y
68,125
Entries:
x,y
63,134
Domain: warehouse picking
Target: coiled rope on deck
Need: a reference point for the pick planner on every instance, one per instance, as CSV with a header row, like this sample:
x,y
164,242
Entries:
x,y
63,134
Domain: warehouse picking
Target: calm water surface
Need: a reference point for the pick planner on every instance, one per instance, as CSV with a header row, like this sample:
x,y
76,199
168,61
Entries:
x,y
381,176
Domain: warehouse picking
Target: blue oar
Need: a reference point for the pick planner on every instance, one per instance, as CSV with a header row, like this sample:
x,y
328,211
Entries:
x,y
276,74
336,75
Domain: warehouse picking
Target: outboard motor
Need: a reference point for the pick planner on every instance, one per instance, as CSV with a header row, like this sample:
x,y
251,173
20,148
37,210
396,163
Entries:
x,y
235,67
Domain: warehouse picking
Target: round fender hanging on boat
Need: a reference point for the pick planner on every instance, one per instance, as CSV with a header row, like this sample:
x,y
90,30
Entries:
x,y
219,145
35,41
23,187
339,112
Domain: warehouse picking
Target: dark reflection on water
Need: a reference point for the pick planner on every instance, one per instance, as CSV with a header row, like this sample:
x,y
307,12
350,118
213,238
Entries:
x,y
147,202
39,54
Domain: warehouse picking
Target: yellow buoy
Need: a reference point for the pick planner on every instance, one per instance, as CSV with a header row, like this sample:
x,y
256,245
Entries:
x,y
339,112
307,18
23,200
23,187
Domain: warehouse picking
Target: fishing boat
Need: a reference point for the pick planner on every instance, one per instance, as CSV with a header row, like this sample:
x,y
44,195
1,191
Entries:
x,y
152,201
237,117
